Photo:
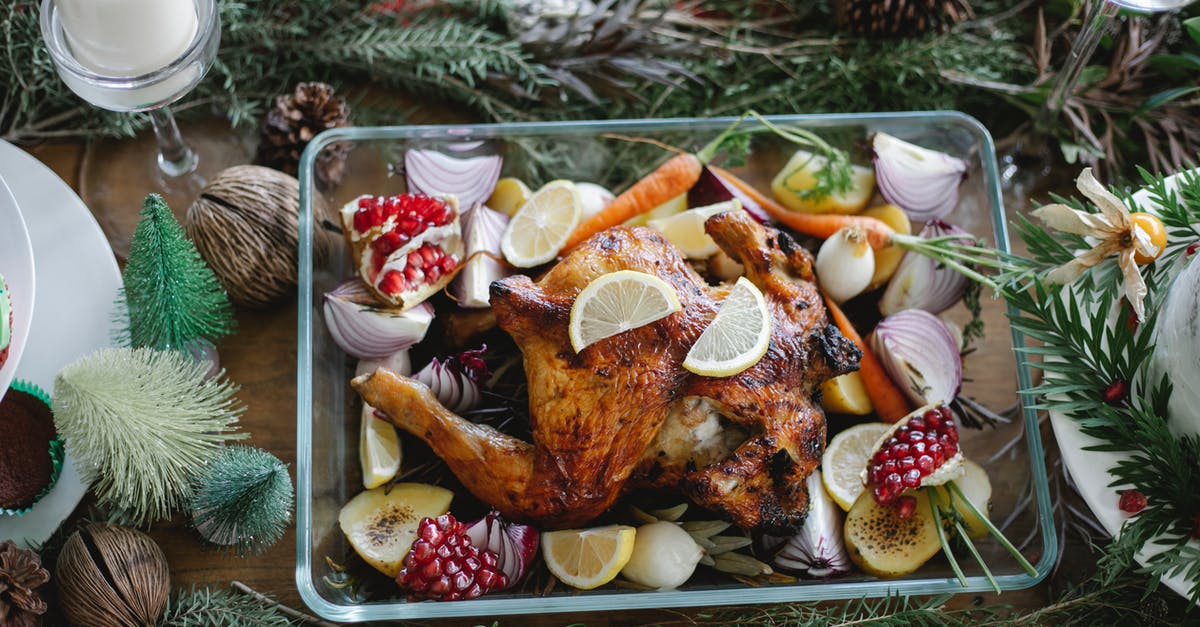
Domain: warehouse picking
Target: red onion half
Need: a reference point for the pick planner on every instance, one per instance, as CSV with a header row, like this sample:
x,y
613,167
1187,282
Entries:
x,y
472,179
368,331
515,545
920,355
921,282
922,182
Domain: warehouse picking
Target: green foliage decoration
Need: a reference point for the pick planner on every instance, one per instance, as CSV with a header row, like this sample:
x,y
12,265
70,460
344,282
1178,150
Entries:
x,y
140,423
242,499
170,294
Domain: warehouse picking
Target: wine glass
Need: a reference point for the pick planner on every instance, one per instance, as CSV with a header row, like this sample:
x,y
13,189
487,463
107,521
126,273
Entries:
x,y
1034,152
138,56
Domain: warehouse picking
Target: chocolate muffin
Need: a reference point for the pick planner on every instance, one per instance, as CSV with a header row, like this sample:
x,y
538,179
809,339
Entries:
x,y
28,465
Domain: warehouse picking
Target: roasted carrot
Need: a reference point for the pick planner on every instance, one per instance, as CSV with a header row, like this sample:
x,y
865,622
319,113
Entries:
x,y
822,225
669,180
890,401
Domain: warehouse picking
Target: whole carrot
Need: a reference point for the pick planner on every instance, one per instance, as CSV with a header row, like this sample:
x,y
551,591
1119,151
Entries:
x,y
674,177
822,225
890,401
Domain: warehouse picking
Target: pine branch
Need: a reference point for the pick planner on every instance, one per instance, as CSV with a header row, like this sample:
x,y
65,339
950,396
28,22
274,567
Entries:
x,y
205,607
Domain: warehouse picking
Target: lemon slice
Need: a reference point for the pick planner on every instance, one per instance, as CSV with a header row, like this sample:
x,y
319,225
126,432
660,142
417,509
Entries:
x,y
686,230
378,449
617,302
845,458
588,558
538,230
736,338
508,195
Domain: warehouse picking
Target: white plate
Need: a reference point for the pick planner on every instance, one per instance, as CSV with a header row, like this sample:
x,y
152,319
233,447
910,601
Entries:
x,y
78,282
1092,470
16,266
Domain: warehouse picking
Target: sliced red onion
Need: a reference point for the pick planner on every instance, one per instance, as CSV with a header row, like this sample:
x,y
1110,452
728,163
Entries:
x,y
922,182
482,229
515,545
368,331
472,179
456,381
921,282
711,188
920,355
817,550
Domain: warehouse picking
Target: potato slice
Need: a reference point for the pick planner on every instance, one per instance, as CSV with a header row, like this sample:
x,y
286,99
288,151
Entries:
x,y
799,175
883,544
381,524
977,488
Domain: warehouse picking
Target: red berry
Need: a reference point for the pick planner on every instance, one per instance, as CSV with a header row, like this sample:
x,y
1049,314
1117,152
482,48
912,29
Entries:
x,y
1116,392
1191,249
1132,501
1196,526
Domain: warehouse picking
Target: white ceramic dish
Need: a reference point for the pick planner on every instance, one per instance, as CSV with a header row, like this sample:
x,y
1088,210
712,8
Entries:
x,y
1092,470
78,280
16,265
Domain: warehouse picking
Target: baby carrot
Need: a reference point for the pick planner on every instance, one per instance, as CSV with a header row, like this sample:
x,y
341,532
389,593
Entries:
x,y
890,401
822,225
669,180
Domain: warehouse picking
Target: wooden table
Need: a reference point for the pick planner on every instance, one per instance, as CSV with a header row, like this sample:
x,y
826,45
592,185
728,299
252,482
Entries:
x,y
261,358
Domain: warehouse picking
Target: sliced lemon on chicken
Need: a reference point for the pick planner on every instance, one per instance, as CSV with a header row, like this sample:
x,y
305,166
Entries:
x,y
686,230
736,338
844,459
588,558
378,449
540,228
617,302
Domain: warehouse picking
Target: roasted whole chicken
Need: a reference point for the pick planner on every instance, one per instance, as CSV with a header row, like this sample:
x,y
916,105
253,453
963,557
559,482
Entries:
x,y
624,414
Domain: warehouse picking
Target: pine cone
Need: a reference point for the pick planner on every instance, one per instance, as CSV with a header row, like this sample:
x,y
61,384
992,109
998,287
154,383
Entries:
x,y
21,573
901,18
294,121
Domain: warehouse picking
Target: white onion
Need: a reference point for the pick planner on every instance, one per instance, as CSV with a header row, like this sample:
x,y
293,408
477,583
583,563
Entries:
x,y
920,355
367,331
845,264
472,179
594,198
921,282
664,556
515,545
922,182
817,550
482,229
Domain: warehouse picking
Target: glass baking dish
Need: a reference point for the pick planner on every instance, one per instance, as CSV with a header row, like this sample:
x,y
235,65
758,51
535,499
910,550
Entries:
x,y
328,471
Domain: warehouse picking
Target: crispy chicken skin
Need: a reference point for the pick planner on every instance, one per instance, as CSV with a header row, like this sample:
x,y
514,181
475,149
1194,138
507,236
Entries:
x,y
623,413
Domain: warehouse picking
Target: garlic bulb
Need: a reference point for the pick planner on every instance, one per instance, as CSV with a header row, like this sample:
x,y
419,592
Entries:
x,y
817,550
664,556
845,264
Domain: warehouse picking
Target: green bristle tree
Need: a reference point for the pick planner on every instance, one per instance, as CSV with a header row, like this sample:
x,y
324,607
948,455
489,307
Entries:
x,y
172,297
242,499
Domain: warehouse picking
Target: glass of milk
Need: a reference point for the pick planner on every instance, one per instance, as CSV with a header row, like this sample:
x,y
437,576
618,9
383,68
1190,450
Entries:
x,y
135,55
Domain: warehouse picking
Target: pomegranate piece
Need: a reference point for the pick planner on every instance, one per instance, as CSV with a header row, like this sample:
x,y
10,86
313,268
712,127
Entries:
x,y
407,247
443,565
919,450
1132,501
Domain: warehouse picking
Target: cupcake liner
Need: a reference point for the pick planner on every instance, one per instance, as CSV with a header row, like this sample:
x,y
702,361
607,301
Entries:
x,y
56,448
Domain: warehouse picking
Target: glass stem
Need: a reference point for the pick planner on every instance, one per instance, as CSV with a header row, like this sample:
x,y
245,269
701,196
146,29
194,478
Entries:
x,y
1098,22
174,157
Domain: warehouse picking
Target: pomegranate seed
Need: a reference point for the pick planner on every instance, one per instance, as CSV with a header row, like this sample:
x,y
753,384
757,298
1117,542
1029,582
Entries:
x,y
440,586
917,423
894,482
882,455
432,274
906,506
881,493
427,253
915,436
935,451
422,551
950,450
1116,392
1132,501
489,559
925,464
912,478
900,450
906,464
474,592
453,567
889,467
918,449
462,581
878,475
393,283
931,438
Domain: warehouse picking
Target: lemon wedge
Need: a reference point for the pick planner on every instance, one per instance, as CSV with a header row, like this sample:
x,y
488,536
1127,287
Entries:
x,y
736,338
617,302
673,206
588,558
845,458
846,394
686,230
508,195
538,230
378,449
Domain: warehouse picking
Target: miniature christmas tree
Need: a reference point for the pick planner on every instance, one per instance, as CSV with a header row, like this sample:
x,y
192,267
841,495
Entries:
x,y
141,423
172,297
243,499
